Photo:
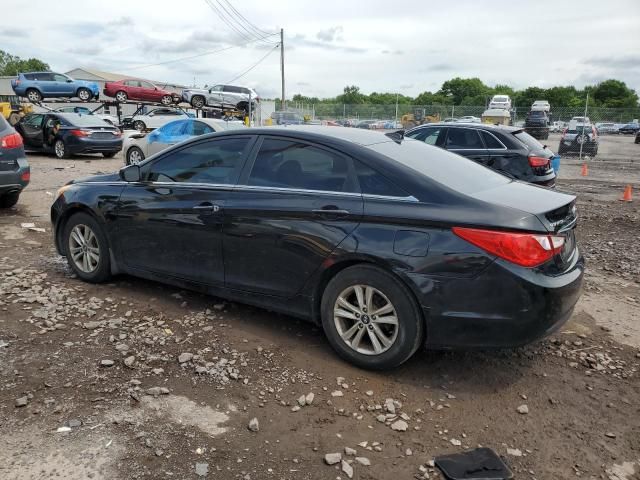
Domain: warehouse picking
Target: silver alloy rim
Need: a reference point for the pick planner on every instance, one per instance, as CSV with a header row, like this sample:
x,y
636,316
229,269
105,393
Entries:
x,y
166,100
59,147
84,95
121,97
365,319
135,157
138,125
198,103
84,249
33,96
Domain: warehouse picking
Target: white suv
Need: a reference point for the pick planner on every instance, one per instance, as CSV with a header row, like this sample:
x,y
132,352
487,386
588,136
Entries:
x,y
502,102
225,96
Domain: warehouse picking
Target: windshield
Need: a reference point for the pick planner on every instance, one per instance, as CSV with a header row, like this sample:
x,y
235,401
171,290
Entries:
x,y
500,99
446,168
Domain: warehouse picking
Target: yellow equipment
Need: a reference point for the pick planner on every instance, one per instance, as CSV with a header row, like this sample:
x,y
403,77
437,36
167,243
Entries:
x,y
14,112
496,116
418,117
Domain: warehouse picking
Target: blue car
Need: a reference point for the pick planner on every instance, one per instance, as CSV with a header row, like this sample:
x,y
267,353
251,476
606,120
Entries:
x,y
38,85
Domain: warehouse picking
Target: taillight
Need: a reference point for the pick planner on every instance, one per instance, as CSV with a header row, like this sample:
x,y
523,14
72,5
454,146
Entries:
x,y
25,177
13,140
524,249
538,161
79,133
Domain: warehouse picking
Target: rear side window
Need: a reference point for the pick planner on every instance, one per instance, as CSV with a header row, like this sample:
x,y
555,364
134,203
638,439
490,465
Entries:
x,y
373,183
463,139
29,76
291,164
216,162
232,89
491,141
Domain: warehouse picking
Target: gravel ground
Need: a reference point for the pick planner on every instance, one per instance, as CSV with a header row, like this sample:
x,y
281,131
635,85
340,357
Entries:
x,y
133,379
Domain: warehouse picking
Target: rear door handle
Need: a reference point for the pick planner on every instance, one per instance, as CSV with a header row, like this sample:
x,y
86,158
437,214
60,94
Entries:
x,y
330,212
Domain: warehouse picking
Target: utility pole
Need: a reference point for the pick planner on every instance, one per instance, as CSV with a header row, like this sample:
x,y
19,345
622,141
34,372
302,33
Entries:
x,y
282,106
396,119
584,122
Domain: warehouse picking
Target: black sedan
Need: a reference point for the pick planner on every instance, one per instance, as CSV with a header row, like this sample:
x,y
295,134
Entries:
x,y
66,134
386,242
509,150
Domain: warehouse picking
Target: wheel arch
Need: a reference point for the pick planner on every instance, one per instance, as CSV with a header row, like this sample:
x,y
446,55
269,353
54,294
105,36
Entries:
x,y
62,221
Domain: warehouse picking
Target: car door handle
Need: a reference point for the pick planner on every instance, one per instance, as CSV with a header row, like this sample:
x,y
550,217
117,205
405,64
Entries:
x,y
207,207
330,211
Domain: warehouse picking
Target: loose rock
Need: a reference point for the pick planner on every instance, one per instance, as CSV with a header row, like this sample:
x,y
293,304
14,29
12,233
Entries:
x,y
347,469
185,357
363,461
332,458
399,426
254,426
22,401
523,409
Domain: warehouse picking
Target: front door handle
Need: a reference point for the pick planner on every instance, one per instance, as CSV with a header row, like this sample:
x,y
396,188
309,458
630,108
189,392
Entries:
x,y
330,211
207,207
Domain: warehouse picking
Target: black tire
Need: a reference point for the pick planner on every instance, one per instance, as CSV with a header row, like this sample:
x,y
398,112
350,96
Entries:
x,y
9,200
102,270
243,107
134,156
60,149
166,100
197,101
84,94
121,96
139,125
33,95
410,326
109,154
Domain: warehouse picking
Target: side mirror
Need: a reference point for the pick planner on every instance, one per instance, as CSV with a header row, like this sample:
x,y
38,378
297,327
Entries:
x,y
130,173
155,88
69,80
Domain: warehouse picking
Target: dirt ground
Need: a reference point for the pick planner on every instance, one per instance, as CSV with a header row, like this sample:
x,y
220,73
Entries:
x,y
133,379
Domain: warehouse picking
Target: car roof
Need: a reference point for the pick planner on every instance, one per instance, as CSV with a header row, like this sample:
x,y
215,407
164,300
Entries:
x,y
480,126
354,135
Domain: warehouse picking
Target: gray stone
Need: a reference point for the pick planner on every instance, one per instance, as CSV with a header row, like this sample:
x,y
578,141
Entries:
x,y
302,401
389,405
309,398
523,409
22,401
399,426
185,357
363,461
129,361
514,452
107,363
350,451
337,393
157,391
202,469
347,469
254,426
91,325
332,458
74,423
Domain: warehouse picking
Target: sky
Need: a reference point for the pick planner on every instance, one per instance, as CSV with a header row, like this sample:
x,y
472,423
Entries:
x,y
381,46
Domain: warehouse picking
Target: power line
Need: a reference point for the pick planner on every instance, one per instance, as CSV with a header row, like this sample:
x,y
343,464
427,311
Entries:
x,y
211,52
249,23
219,13
239,22
255,64
234,23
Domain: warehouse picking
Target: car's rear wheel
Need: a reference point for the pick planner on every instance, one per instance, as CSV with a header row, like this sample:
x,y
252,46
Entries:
x,y
60,149
121,96
166,100
86,247
139,125
370,318
134,156
33,95
109,154
9,200
84,94
197,101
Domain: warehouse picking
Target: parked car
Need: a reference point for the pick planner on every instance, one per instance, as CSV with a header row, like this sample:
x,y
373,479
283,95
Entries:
x,y
630,128
39,85
226,96
155,118
508,150
502,102
141,90
580,120
138,146
346,228
451,120
605,128
14,168
537,124
66,134
85,111
556,126
637,140
469,119
542,105
366,124
579,137
287,118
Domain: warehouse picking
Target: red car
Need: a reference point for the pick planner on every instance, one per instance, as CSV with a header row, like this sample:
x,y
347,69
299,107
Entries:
x,y
142,90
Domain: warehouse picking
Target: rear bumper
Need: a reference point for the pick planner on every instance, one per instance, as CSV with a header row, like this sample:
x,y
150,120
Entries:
x,y
85,145
12,181
505,306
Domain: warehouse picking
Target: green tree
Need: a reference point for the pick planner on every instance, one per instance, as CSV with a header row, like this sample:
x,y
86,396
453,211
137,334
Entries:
x,y
428,98
459,88
351,95
614,94
12,65
524,98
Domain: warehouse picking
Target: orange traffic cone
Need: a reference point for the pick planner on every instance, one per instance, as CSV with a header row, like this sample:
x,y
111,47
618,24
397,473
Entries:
x,y
626,196
585,170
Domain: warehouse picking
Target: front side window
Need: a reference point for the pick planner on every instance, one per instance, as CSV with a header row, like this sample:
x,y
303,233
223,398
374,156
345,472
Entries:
x,y
232,89
291,164
171,129
214,162
216,88
34,120
463,138
147,85
198,128
60,78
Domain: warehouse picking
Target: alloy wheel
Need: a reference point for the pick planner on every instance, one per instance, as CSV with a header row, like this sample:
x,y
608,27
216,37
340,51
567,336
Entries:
x,y
84,249
365,319
59,149
84,95
33,96
135,157
121,97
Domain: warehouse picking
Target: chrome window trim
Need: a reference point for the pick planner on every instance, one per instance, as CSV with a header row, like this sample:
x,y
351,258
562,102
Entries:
x,y
499,141
463,149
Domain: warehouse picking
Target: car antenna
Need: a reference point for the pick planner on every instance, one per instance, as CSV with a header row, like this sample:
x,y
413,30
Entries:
x,y
396,136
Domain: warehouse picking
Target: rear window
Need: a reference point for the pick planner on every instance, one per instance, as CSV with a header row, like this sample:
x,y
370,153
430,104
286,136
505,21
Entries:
x,y
537,113
526,139
581,129
84,120
446,168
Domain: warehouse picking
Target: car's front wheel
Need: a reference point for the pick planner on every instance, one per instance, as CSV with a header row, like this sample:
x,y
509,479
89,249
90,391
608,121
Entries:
x,y
84,94
134,156
9,200
60,149
197,101
370,318
166,100
139,125
121,96
86,247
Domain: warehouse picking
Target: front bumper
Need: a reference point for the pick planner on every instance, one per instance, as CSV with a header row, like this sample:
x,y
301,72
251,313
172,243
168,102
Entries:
x,y
504,306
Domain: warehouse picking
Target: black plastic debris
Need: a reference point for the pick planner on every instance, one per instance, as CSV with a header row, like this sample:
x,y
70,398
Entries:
x,y
478,464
